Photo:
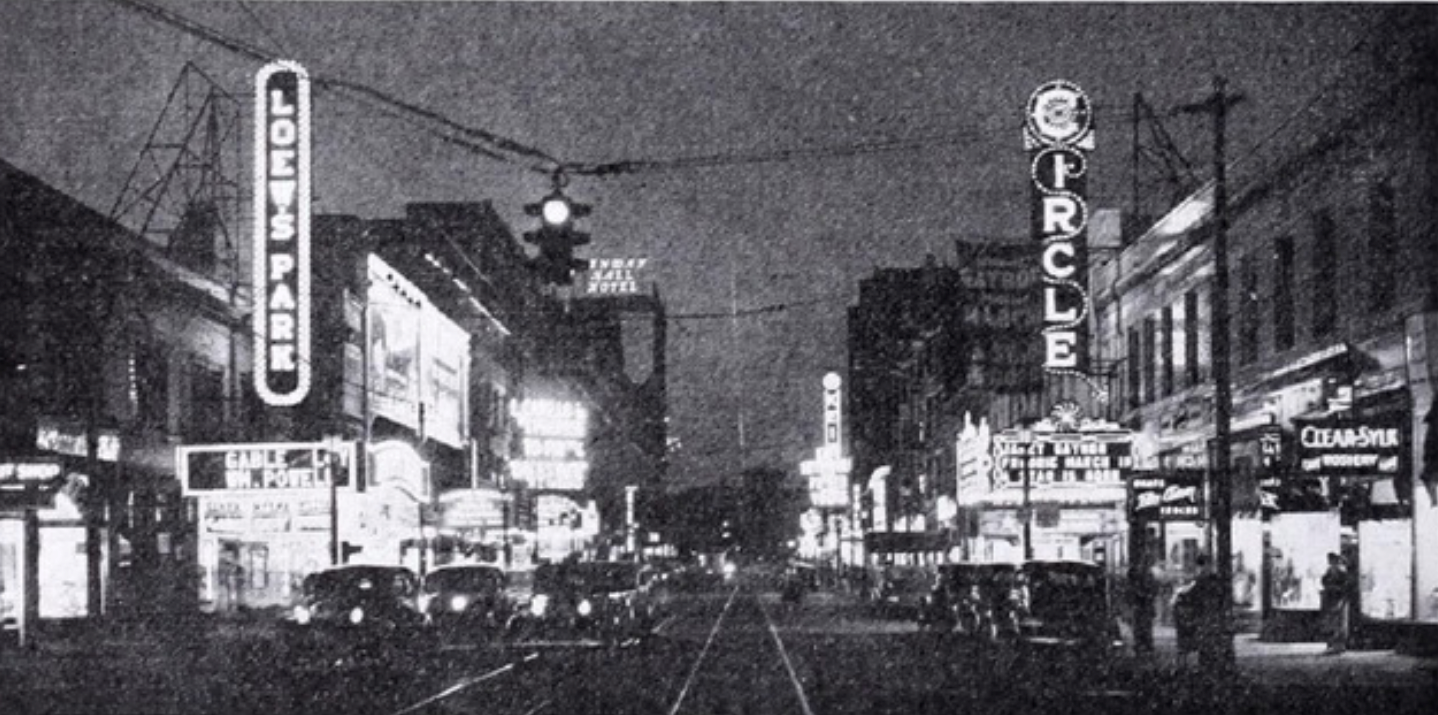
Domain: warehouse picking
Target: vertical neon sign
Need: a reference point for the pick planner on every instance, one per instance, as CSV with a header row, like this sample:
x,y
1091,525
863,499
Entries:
x,y
282,234
1058,133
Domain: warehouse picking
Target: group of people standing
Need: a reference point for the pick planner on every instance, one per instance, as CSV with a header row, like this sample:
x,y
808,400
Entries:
x,y
1196,607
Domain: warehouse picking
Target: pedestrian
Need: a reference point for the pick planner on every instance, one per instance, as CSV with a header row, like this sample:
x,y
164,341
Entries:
x,y
1144,590
1335,604
1198,617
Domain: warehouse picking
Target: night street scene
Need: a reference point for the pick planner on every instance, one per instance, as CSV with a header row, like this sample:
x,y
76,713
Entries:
x,y
713,358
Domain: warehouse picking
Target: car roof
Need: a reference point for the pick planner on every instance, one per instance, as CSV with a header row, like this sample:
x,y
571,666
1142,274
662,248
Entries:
x,y
465,567
348,568
1062,564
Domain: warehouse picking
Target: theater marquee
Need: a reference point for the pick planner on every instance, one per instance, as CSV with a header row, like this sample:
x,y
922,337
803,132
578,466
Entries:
x,y
265,467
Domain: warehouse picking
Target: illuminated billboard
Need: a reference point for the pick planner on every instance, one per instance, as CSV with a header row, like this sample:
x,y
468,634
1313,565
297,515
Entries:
x,y
282,234
418,358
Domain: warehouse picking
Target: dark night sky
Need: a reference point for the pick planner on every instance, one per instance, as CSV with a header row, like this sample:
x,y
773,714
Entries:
x,y
81,84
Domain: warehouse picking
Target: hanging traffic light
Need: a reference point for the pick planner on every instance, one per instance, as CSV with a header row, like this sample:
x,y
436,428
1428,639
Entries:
x,y
557,237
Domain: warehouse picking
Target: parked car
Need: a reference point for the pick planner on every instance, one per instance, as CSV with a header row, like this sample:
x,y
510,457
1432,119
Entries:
x,y
797,579
609,601
467,600
1064,603
901,591
358,607
975,599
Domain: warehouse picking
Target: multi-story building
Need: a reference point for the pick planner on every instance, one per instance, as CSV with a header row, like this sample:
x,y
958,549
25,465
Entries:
x,y
894,383
1332,300
113,352
139,463
928,347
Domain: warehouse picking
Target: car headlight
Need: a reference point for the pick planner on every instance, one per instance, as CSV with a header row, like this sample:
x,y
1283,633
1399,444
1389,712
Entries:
x,y
458,603
585,607
303,615
539,604
356,615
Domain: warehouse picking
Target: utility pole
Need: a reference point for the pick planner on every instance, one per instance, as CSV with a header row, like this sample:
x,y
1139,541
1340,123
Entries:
x,y
1220,483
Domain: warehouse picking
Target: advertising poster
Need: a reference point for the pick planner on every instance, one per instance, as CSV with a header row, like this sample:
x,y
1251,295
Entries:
x,y
1385,576
1300,544
394,330
446,378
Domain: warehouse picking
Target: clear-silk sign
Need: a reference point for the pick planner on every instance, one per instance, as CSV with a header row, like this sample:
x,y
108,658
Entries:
x,y
1058,133
1372,447
282,234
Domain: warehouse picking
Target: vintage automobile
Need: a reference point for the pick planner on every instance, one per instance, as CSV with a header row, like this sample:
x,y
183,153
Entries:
x,y
467,600
605,601
1065,604
900,592
973,599
367,607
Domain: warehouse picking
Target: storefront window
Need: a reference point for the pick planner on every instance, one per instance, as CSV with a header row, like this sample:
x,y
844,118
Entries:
x,y
1298,556
1385,573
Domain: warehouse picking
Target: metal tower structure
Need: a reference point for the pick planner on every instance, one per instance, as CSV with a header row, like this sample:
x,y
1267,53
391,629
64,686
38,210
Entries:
x,y
182,193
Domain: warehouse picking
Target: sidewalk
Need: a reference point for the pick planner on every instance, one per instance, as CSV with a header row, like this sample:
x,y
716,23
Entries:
x,y
1277,664
137,639
1302,664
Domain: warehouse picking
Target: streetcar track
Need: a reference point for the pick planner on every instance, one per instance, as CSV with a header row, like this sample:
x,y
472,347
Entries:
x,y
467,683
542,705
444,699
693,671
784,654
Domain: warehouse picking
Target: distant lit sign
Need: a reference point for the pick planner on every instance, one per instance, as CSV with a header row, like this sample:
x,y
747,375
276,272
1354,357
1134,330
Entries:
x,y
828,471
29,484
1346,447
833,409
263,467
550,418
24,474
282,234
828,474
553,436
974,459
1174,496
64,438
615,276
1058,133
550,475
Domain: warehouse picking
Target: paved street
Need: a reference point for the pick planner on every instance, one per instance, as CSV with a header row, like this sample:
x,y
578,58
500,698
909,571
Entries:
x,y
736,651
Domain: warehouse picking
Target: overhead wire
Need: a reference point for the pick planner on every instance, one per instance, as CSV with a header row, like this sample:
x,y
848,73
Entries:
x,y
502,149
477,140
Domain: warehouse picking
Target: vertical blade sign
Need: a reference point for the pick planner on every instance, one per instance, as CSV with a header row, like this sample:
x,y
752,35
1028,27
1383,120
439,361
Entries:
x,y
1058,133
282,234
